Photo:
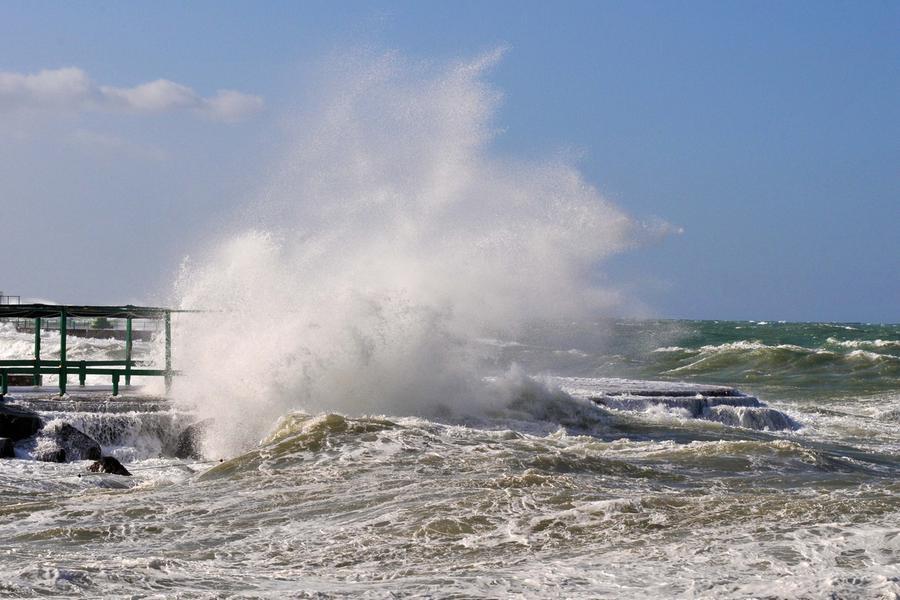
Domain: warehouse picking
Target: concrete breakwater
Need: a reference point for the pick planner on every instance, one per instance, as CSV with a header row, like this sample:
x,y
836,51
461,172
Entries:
x,y
722,404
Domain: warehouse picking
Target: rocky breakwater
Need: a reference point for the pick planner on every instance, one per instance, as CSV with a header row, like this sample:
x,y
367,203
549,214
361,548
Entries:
x,y
94,427
16,424
24,434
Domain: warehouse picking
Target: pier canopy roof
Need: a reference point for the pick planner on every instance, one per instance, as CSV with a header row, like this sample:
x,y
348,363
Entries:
x,y
33,311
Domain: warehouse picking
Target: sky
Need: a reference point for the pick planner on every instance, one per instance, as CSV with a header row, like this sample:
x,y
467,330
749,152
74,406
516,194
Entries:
x,y
768,133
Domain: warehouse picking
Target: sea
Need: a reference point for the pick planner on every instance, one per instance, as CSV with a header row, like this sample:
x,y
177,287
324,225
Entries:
x,y
542,494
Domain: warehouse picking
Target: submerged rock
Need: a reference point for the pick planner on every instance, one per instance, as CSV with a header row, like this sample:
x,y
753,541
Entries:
x,y
54,454
61,442
17,423
696,406
7,448
110,465
724,405
761,418
188,444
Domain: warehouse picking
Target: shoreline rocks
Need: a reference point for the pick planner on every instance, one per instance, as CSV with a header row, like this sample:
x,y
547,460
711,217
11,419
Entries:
x,y
189,441
109,464
7,448
17,423
38,429
61,442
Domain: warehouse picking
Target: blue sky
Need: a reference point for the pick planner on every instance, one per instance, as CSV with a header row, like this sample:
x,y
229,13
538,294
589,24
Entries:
x,y
768,131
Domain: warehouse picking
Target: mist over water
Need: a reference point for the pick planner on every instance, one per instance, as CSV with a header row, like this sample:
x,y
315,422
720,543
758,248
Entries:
x,y
389,238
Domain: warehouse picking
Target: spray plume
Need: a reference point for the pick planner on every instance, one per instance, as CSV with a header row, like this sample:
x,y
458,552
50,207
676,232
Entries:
x,y
388,240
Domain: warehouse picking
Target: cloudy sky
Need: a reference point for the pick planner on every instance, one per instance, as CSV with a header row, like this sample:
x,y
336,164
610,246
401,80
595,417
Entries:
x,y
70,89
768,132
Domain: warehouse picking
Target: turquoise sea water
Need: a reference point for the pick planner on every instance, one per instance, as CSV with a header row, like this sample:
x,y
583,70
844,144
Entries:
x,y
552,496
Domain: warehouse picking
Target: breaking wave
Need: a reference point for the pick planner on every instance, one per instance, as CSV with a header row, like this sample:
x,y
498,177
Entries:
x,y
865,363
390,239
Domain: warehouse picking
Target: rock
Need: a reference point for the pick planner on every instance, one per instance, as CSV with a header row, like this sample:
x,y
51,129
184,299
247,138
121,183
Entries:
x,y
7,448
78,445
55,454
17,423
188,444
108,464
61,442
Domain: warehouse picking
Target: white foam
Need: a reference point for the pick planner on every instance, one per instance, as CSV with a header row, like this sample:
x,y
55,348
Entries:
x,y
390,238
877,343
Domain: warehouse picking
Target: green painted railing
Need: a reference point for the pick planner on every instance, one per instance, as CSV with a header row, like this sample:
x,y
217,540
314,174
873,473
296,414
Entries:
x,y
116,369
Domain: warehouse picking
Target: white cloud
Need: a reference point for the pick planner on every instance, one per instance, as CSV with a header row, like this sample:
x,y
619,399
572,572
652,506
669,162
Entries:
x,y
71,89
156,96
45,89
228,105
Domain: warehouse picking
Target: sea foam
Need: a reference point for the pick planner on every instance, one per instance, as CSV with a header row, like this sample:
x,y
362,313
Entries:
x,y
390,237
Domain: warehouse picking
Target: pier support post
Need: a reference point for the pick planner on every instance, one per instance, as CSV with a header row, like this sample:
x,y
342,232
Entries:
x,y
115,384
4,383
168,322
38,380
62,352
128,351
82,372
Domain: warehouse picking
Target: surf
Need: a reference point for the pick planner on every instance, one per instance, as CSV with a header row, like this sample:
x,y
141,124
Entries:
x,y
390,238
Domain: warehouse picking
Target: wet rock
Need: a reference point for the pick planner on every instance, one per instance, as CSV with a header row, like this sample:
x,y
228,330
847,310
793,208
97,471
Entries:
x,y
7,448
61,442
696,405
188,444
761,418
17,423
729,407
108,464
54,454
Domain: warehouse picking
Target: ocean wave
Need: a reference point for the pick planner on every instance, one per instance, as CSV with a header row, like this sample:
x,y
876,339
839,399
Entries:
x,y
854,367
15,344
877,343
871,356
759,349
743,345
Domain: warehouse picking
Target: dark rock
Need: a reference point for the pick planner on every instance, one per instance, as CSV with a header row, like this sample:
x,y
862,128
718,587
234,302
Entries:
x,y
21,380
108,464
7,448
188,444
55,454
17,423
61,442
78,445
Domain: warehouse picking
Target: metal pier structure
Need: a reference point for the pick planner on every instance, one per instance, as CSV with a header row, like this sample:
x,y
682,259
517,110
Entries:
x,y
116,369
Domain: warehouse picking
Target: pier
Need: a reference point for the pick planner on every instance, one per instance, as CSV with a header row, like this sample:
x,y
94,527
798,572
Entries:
x,y
125,369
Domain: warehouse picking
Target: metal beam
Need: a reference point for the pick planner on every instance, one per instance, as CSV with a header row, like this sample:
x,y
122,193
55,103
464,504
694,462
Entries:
x,y
62,351
168,351
38,380
127,351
